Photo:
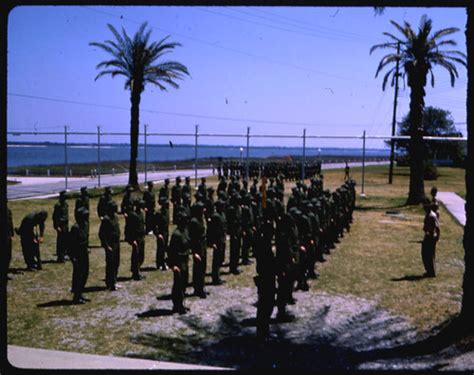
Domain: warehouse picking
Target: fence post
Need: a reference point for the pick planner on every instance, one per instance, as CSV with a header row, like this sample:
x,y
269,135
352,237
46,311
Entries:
x,y
65,158
145,135
247,154
98,155
195,155
304,156
362,194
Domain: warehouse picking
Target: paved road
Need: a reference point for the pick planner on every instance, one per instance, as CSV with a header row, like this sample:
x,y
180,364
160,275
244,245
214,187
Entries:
x,y
454,204
44,187
29,358
49,186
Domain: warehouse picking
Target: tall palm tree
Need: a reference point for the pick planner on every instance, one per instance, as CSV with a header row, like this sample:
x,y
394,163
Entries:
x,y
419,53
136,60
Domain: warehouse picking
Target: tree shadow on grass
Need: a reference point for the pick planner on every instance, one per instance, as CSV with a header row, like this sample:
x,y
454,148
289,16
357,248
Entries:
x,y
63,302
122,278
147,269
367,340
409,278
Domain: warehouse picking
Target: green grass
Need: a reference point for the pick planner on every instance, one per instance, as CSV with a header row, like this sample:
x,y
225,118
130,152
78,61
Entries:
x,y
378,250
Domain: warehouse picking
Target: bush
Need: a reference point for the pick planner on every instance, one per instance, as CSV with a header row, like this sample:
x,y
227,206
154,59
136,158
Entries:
x,y
431,172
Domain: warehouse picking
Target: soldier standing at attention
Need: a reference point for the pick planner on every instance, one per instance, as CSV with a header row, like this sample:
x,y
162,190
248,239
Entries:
x,y
161,230
265,279
434,200
198,242
164,190
10,234
347,172
234,229
109,234
150,203
79,256
31,239
216,239
104,200
127,202
61,225
176,198
202,188
135,236
178,257
248,229
83,201
428,246
186,189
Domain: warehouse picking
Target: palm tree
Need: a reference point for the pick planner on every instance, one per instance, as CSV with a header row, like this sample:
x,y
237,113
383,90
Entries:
x,y
418,55
136,60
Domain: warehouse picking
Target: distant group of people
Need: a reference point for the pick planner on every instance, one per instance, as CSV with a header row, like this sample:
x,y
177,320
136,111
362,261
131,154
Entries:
x,y
286,240
288,170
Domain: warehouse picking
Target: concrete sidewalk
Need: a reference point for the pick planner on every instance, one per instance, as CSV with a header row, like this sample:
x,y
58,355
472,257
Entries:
x,y
454,204
29,358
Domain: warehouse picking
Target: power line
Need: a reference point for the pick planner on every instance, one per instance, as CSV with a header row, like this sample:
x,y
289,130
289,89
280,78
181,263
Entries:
x,y
220,118
248,54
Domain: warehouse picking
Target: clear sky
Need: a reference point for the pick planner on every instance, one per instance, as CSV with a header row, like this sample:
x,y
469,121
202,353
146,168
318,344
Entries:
x,y
276,69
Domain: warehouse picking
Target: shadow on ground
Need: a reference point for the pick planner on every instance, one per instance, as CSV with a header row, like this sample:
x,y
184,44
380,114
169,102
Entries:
x,y
366,341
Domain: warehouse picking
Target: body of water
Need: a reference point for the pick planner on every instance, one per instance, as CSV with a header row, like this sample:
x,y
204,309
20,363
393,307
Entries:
x,y
22,154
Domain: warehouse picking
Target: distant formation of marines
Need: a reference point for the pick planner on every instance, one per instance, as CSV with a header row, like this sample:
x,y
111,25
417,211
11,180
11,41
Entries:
x,y
287,240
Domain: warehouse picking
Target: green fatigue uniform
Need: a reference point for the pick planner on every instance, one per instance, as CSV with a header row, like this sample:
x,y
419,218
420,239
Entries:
x,y
216,238
234,229
198,242
178,256
222,185
311,253
304,231
83,201
209,203
164,190
176,196
80,257
428,246
109,234
135,236
247,231
317,230
265,279
254,188
10,234
61,225
202,188
186,189
161,231
104,201
287,258
185,207
127,202
30,238
150,203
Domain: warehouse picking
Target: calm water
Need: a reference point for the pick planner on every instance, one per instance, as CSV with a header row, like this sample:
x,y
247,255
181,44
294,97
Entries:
x,y
49,154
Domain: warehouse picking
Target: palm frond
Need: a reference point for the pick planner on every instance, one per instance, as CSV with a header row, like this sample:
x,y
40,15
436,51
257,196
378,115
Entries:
x,y
386,77
383,45
453,73
440,33
407,31
113,73
385,61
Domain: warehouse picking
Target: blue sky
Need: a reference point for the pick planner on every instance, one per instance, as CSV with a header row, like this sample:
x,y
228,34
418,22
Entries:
x,y
293,67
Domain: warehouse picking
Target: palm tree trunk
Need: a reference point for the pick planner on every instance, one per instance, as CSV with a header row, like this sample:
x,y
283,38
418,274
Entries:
x,y
467,309
134,131
416,191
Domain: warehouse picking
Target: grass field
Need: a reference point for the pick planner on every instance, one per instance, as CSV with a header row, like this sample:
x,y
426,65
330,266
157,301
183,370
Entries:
x,y
378,260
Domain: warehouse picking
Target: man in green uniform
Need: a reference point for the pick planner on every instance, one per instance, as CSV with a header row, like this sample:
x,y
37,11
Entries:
x,y
83,201
432,233
216,239
31,239
164,190
248,228
178,258
176,193
161,230
127,202
202,188
198,241
234,229
109,234
150,203
135,236
104,201
186,189
61,225
79,256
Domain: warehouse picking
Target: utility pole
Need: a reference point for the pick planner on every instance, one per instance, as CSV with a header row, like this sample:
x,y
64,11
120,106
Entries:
x,y
394,119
